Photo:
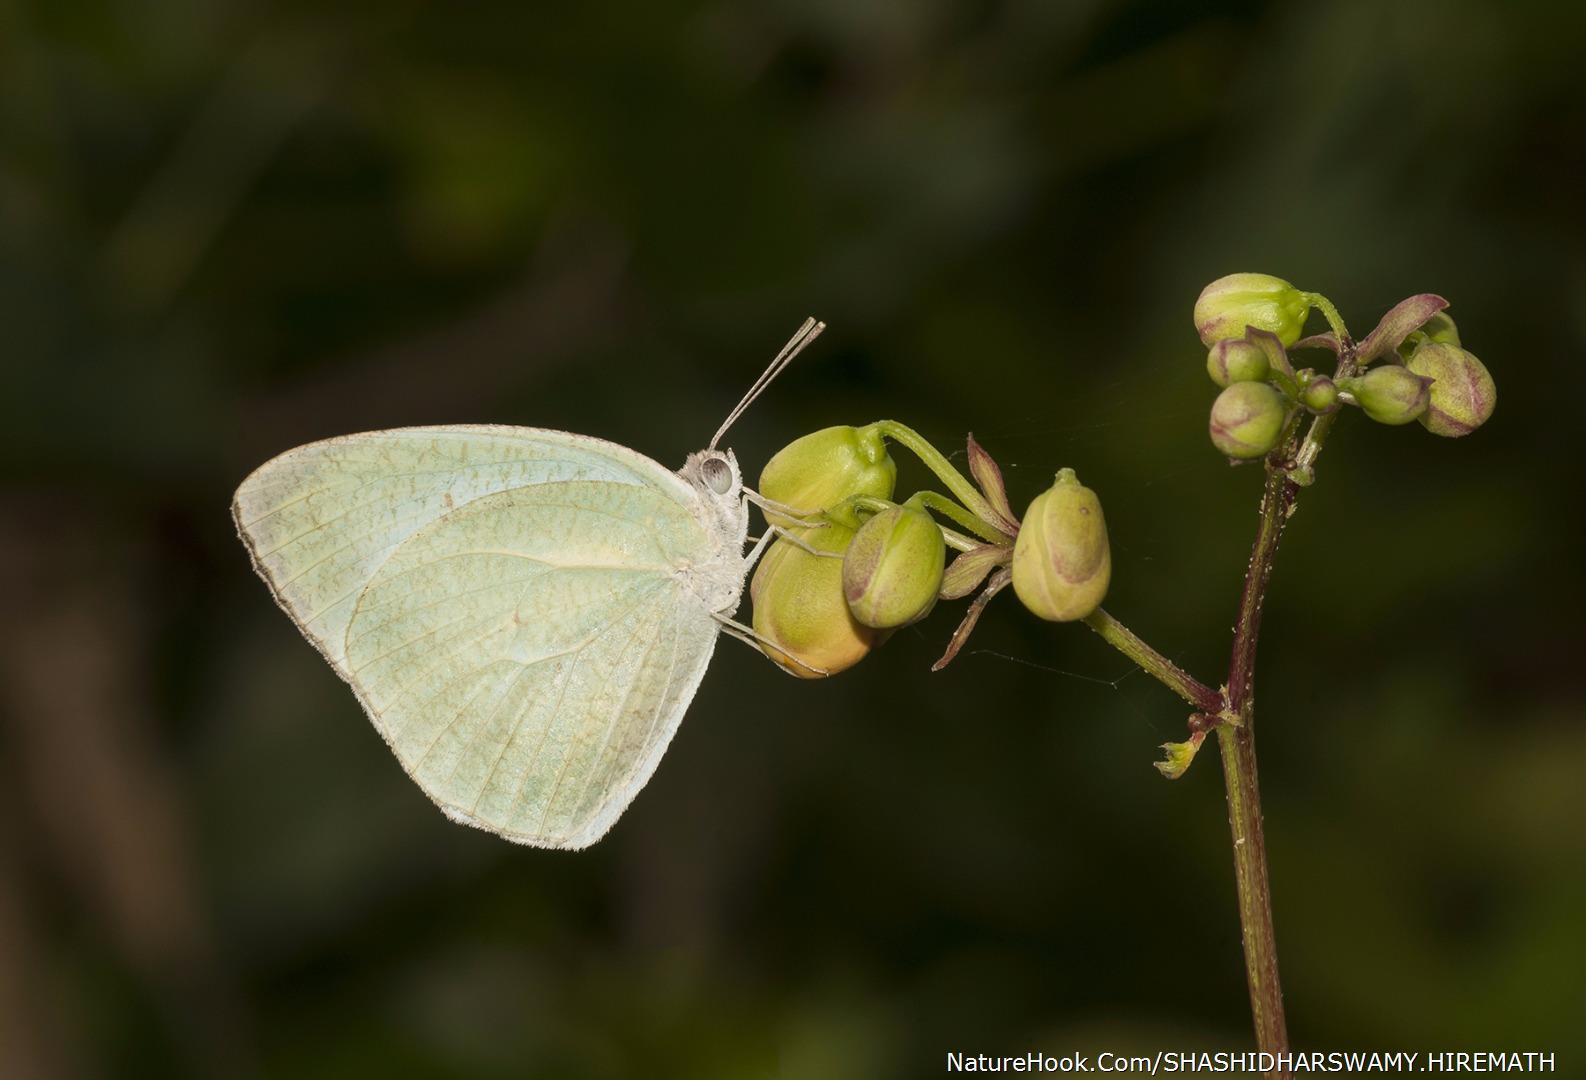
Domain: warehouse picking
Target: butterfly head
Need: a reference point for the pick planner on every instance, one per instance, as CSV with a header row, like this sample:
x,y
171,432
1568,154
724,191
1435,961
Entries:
x,y
715,475
715,478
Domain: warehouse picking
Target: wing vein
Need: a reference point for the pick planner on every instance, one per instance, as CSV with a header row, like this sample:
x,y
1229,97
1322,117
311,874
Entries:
x,y
556,709
611,725
567,756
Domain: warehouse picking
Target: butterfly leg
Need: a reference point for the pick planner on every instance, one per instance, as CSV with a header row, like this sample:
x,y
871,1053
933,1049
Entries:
x,y
801,517
747,634
761,542
777,531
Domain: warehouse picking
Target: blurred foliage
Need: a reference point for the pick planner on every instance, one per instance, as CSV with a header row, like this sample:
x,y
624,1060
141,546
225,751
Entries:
x,y
228,228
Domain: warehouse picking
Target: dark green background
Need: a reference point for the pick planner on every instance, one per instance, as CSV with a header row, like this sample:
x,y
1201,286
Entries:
x,y
229,228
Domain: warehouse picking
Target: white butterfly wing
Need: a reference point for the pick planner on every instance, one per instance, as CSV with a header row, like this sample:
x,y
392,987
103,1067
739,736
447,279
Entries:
x,y
507,604
320,519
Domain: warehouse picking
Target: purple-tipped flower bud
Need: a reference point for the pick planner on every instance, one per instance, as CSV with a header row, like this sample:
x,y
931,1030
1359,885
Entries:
x,y
1247,420
892,570
1320,394
1462,395
825,467
799,607
1390,394
1062,563
1236,360
1231,303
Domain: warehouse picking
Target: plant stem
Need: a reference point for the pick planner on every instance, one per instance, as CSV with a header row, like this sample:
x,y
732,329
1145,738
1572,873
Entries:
x,y
1237,743
933,500
1303,471
1288,470
1329,312
1154,663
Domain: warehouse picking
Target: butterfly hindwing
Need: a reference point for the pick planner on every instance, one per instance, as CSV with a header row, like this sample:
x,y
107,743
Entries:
x,y
529,656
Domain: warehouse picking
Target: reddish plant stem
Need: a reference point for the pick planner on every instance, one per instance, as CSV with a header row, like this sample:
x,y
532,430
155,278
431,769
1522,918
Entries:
x,y
1237,744
1287,469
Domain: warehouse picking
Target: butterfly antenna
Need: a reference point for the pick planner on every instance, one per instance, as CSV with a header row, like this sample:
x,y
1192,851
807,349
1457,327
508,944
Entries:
x,y
796,344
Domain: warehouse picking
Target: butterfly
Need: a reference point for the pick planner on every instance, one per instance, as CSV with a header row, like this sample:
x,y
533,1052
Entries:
x,y
524,614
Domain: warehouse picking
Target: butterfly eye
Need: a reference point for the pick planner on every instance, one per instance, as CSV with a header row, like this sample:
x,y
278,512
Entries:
x,y
717,474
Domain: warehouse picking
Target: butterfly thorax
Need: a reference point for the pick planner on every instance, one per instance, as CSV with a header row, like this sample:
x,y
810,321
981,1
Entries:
x,y
718,484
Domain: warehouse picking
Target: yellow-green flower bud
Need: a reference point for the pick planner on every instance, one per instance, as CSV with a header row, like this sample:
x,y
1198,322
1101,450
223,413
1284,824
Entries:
x,y
799,607
1231,303
1061,562
1247,420
892,569
1390,394
1441,330
1236,360
1320,394
1462,395
825,467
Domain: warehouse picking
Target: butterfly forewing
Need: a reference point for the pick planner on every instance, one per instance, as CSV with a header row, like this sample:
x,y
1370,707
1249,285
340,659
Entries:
x,y
320,519
507,604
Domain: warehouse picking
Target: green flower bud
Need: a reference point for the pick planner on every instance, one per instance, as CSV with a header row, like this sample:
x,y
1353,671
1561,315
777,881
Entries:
x,y
1462,395
799,607
1440,329
1236,360
1247,420
1390,394
892,570
825,467
1320,394
1231,303
1061,562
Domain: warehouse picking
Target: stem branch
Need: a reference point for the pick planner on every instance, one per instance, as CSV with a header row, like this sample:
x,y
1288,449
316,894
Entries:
x,y
964,491
1154,663
1303,471
933,500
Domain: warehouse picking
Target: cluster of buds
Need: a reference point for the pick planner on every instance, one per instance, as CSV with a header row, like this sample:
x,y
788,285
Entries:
x,y
800,610
1250,321
851,565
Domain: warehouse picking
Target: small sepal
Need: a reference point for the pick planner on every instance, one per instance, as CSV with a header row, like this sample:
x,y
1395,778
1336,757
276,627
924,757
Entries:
x,y
1402,320
1272,346
1325,340
988,477
965,573
994,585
